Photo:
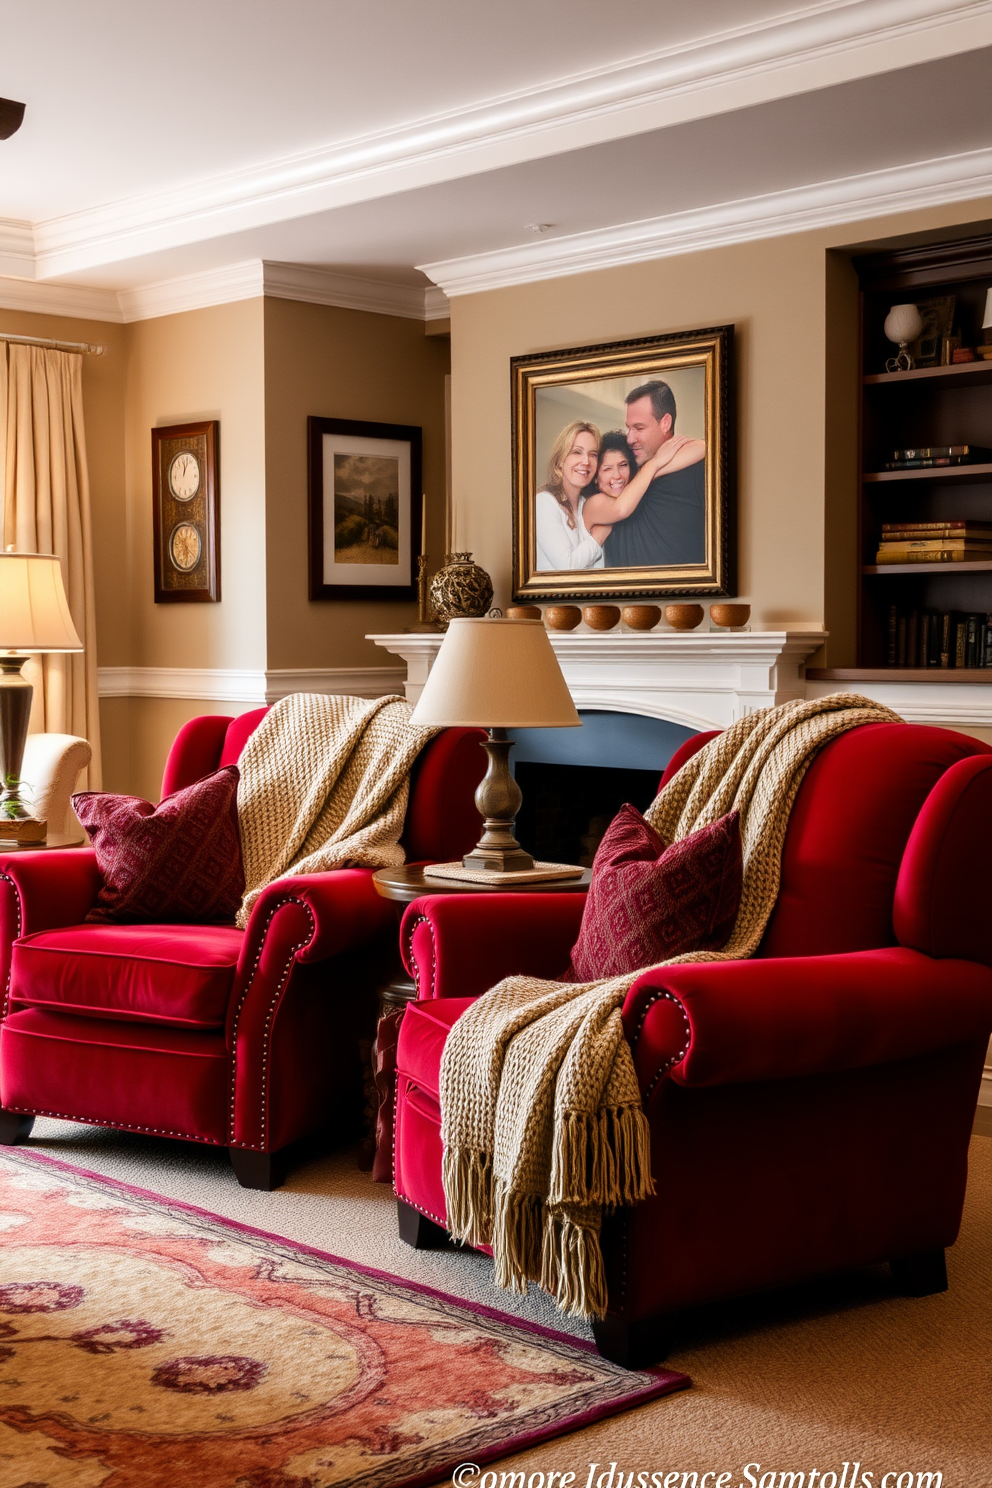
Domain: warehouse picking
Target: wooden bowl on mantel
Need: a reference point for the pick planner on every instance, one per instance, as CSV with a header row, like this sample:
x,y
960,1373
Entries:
x,y
601,617
730,615
640,617
684,616
524,612
562,617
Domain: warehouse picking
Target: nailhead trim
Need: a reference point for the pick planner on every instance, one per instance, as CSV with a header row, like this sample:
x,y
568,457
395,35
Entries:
x,y
267,1031
413,1205
422,920
157,1131
676,1058
6,878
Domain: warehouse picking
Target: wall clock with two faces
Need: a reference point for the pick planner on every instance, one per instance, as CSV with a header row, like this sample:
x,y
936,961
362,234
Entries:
x,y
186,491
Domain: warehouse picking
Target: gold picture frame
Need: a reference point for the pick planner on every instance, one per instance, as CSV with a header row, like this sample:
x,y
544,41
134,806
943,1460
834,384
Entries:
x,y
681,539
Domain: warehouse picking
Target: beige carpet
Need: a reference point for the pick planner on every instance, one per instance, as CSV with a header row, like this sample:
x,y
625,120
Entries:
x,y
838,1372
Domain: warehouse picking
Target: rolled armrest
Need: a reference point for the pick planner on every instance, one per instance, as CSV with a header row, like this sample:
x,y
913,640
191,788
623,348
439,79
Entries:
x,y
731,1022
460,945
341,910
46,890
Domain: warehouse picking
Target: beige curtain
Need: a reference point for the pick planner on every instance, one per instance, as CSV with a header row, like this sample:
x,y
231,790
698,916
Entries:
x,y
46,509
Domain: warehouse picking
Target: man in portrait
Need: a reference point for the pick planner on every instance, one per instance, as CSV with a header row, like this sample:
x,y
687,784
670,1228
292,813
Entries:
x,y
669,525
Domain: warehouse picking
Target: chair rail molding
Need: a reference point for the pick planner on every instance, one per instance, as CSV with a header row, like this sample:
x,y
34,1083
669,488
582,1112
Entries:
x,y
700,680
961,704
235,685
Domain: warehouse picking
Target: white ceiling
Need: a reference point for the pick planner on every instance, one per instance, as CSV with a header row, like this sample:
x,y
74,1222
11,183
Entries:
x,y
366,139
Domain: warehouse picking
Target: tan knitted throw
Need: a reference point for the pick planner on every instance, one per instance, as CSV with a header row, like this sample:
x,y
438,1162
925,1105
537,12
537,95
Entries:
x,y
541,1114
324,784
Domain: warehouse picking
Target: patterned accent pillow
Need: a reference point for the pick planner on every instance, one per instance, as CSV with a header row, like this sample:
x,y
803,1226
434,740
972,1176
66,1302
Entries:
x,y
175,863
650,900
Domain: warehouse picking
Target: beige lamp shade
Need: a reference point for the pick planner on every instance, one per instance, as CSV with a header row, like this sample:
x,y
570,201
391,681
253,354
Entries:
x,y
496,674
34,613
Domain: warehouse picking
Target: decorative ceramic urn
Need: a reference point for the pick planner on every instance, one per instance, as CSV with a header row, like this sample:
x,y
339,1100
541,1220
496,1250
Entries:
x,y
461,589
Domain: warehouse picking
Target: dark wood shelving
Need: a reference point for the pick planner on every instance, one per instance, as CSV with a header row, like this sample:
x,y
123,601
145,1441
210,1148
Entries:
x,y
963,374
946,405
979,566
964,473
899,674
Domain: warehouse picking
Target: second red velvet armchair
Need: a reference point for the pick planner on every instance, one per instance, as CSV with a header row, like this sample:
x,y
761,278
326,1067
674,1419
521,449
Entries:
x,y
810,1109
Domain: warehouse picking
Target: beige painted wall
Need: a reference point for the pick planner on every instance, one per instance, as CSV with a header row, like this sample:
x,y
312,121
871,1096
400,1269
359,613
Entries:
x,y
202,364
333,363
793,301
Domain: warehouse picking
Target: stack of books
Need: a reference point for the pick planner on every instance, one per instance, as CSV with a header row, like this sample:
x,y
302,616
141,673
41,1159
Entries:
x,y
928,455
935,542
938,638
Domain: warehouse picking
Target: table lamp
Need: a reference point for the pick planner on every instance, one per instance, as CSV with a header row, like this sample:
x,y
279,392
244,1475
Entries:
x,y
34,616
497,674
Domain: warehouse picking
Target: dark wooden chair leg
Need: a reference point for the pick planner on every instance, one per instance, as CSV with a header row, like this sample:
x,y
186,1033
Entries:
x,y
14,1128
920,1275
419,1231
262,1170
635,1345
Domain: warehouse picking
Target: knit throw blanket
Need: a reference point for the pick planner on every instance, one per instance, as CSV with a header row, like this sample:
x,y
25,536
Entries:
x,y
324,784
541,1115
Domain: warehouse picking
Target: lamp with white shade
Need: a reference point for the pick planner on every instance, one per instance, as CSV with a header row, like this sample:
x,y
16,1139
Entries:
x,y
34,617
497,675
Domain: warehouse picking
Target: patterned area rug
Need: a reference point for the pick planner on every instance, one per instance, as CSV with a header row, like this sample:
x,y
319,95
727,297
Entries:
x,y
144,1342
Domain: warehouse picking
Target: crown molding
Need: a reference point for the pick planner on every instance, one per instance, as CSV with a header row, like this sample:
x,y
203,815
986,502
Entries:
x,y
240,281
79,300
16,248
824,45
903,188
324,287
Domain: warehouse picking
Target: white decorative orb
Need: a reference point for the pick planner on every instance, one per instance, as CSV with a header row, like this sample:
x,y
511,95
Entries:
x,y
903,323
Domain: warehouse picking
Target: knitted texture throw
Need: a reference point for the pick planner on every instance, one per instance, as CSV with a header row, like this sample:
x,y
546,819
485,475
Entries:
x,y
324,784
541,1115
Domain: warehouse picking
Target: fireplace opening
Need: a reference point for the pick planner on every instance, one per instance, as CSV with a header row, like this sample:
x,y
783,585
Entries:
x,y
567,808
574,781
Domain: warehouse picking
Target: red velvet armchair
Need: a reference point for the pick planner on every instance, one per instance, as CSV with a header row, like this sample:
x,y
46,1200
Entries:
x,y
243,1039
811,1108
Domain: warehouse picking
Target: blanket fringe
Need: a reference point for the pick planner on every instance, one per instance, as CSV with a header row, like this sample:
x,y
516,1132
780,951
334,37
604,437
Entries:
x,y
518,1222
467,1178
572,1268
602,1157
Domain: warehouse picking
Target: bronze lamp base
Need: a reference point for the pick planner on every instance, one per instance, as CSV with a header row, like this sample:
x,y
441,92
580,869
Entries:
x,y
498,799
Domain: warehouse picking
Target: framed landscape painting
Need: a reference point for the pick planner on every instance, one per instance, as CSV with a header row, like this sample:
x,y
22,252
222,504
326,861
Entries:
x,y
623,469
365,509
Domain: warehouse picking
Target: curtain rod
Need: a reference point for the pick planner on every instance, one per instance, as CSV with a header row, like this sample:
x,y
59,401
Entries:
x,y
83,346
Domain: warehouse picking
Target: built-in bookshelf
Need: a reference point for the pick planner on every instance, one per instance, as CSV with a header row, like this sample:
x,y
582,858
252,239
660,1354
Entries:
x,y
920,618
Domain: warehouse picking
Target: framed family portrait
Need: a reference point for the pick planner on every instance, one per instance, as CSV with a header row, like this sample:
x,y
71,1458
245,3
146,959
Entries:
x,y
186,513
365,509
623,469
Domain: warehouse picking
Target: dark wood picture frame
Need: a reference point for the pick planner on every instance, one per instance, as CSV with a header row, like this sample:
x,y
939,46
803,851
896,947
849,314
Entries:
x,y
357,439
576,381
186,528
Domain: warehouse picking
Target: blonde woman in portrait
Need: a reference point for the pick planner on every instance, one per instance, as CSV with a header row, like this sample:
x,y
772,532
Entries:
x,y
562,539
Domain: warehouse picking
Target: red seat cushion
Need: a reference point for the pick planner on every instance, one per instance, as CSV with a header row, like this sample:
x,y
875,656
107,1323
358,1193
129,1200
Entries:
x,y
650,900
181,975
423,1032
178,862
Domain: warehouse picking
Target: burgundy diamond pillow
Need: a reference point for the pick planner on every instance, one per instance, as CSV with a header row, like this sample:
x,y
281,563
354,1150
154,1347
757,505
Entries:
x,y
649,900
175,863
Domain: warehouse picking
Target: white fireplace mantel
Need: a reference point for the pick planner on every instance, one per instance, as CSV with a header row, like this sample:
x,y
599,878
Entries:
x,y
701,680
